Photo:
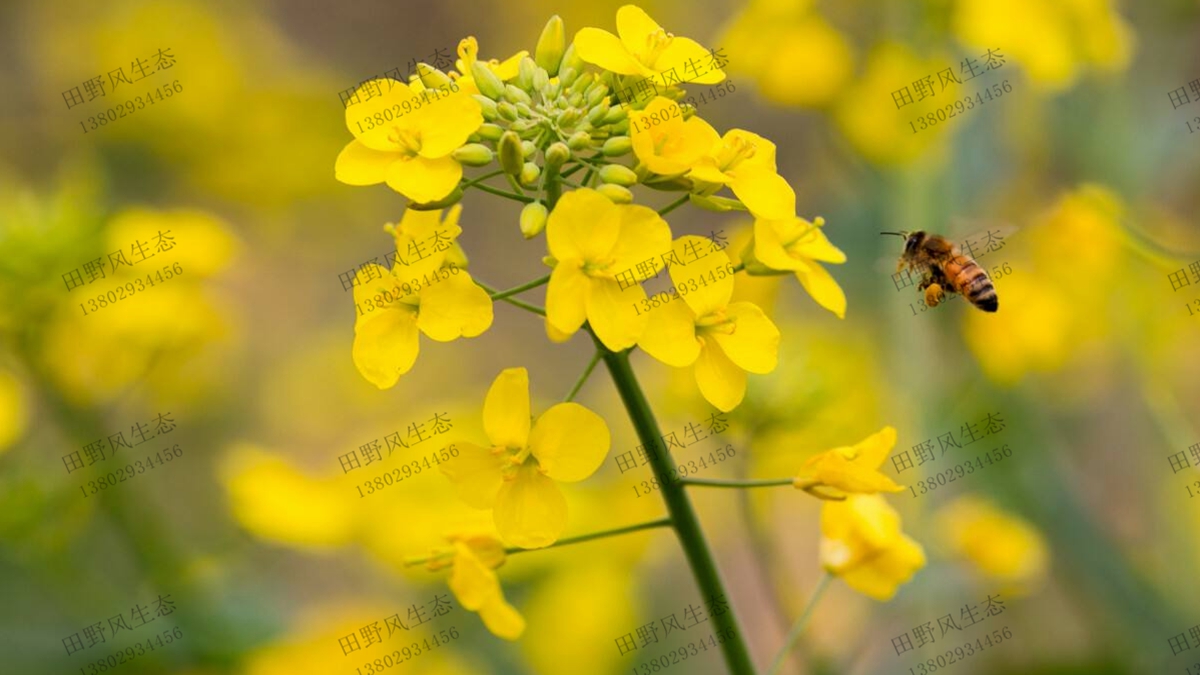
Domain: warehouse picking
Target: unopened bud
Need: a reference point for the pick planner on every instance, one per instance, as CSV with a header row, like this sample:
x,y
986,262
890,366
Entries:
x,y
487,106
507,111
510,153
617,146
527,149
616,193
489,85
567,118
557,155
582,82
540,79
618,175
597,113
566,76
515,95
431,77
596,93
533,220
551,45
616,114
473,154
579,140
490,132
524,78
571,59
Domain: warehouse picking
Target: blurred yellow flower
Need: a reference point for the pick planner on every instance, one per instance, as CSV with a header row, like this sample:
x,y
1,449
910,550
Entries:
x,y
850,470
724,339
1000,545
478,589
13,411
516,477
794,244
643,48
593,241
405,145
673,146
862,543
1052,39
745,162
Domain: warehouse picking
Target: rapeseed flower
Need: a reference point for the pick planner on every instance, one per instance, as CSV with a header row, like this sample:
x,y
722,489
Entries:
x,y
673,146
861,543
517,475
593,241
1000,545
724,339
850,470
473,580
796,245
410,151
644,48
745,162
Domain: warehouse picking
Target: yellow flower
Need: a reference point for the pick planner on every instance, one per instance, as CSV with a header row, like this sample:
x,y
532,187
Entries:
x,y
1000,545
643,48
475,583
850,470
724,339
596,242
862,543
404,145
418,295
515,477
673,146
745,162
794,244
468,53
14,413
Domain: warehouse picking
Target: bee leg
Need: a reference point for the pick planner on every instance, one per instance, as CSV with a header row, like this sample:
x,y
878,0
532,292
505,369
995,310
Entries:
x,y
934,295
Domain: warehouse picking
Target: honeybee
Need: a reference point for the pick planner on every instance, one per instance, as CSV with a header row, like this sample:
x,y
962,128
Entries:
x,y
946,269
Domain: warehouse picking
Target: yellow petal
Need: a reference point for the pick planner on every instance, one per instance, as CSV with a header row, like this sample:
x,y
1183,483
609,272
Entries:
x,y
721,382
704,273
584,225
670,334
822,287
680,52
566,298
530,510
570,442
785,244
477,474
445,124
506,409
764,192
874,449
636,28
502,619
424,180
555,335
510,67
882,576
833,469
602,48
612,313
754,343
359,165
672,146
473,583
865,524
385,345
810,242
393,93
454,307
643,234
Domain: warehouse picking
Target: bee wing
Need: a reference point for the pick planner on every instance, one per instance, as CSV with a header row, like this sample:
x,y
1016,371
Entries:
x,y
985,236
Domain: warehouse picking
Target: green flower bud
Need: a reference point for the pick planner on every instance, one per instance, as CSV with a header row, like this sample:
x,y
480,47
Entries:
x,y
449,200
529,174
616,193
487,107
617,146
571,60
473,154
566,76
489,85
541,79
615,114
582,82
515,95
596,93
551,45
431,77
524,110
576,100
524,78
618,175
579,140
527,149
507,111
557,155
597,113
567,118
533,220
490,132
510,153
553,91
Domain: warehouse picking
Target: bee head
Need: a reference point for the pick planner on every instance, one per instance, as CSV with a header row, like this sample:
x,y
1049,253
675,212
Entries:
x,y
911,239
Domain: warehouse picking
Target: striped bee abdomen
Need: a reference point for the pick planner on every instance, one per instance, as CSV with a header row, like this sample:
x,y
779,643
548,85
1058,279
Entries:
x,y
975,285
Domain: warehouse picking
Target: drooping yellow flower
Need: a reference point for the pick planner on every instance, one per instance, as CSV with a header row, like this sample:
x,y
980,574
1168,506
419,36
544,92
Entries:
x,y
516,477
745,162
850,470
643,48
476,585
418,295
724,339
673,146
468,53
998,544
861,543
598,246
407,146
794,244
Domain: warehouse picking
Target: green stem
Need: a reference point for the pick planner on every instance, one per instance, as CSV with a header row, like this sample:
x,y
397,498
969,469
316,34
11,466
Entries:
x,y
522,288
719,483
512,180
484,177
739,267
512,301
798,627
672,206
679,506
583,378
502,193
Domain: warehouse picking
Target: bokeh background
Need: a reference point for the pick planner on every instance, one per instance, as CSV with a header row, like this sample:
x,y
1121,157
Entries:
x,y
1087,531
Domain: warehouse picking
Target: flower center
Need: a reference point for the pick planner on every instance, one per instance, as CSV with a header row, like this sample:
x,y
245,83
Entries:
x,y
716,322
806,234
656,43
598,268
734,152
406,140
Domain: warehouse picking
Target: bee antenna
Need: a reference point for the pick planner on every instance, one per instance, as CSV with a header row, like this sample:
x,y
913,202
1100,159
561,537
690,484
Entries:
x,y
898,234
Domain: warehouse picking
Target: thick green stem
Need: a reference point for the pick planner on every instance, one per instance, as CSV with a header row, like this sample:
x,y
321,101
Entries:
x,y
679,506
798,627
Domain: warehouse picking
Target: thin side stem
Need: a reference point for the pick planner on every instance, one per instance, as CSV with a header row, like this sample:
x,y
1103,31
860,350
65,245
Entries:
x,y
798,627
672,206
583,378
739,267
720,483
679,506
479,179
512,180
512,301
541,281
502,193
